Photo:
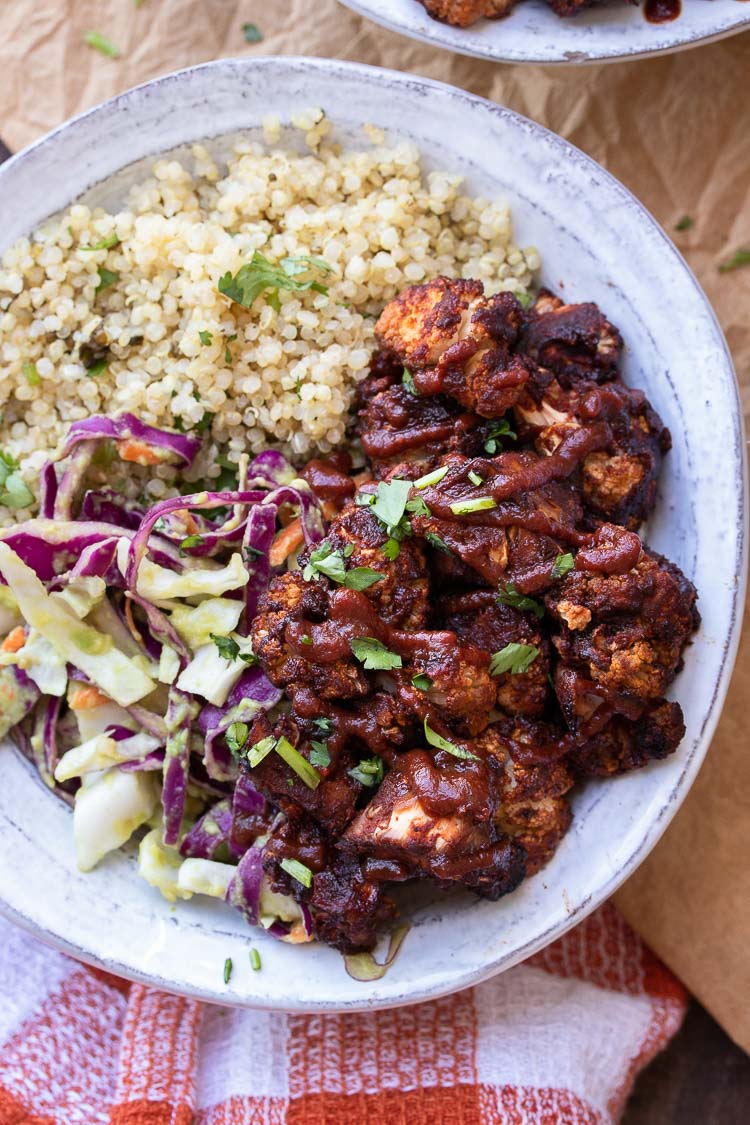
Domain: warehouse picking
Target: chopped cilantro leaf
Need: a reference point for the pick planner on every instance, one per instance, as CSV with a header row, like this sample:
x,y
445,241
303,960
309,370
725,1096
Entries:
x,y
525,300
498,429
422,681
373,654
306,639
738,259
440,743
390,505
205,337
348,550
407,380
103,244
391,549
190,541
361,578
260,275
324,560
514,658
252,33
320,754
563,563
107,278
30,374
418,507
685,223
323,726
368,772
509,595
97,368
14,492
227,356
229,649
436,542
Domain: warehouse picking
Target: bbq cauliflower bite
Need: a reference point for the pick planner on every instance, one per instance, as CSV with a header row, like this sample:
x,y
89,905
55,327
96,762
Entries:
x,y
532,809
457,341
401,597
463,13
290,600
626,632
461,688
435,818
573,341
624,745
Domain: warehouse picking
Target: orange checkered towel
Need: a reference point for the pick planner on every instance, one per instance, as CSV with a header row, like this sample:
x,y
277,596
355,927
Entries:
x,y
558,1039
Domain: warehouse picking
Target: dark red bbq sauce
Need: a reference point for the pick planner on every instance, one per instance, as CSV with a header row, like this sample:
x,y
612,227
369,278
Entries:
x,y
662,11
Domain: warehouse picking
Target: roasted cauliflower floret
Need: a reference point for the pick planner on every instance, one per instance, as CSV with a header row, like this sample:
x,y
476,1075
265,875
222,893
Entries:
x,y
574,341
624,745
463,13
278,632
457,341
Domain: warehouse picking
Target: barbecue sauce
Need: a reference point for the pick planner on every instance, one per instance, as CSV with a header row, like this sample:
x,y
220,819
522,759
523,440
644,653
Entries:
x,y
662,11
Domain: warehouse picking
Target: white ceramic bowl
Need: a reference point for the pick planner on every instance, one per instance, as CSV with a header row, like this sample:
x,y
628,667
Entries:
x,y
600,244
532,33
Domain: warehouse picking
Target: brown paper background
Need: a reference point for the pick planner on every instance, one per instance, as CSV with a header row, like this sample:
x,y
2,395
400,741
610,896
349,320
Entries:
x,y
676,130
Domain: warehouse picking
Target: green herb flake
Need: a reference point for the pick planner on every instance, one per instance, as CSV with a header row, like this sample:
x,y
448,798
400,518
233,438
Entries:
x,y
509,595
348,550
255,960
525,300
417,507
422,681
323,726
100,43
478,504
107,278
389,506
320,755
30,374
324,560
298,871
563,564
227,970
227,356
440,743
206,338
475,478
498,429
391,549
362,578
436,542
14,492
368,772
407,381
190,541
96,369
103,244
260,750
253,552
514,658
739,258
306,639
236,737
260,276
685,223
227,646
252,33
307,773
373,654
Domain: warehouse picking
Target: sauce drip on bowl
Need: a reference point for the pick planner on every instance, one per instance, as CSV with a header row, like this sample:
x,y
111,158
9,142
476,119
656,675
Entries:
x,y
662,11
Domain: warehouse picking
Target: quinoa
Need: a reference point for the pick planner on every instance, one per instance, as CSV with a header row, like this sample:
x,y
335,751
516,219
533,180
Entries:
x,y
125,327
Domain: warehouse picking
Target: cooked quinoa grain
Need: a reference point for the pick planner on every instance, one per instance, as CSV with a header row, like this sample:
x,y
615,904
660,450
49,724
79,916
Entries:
x,y
140,325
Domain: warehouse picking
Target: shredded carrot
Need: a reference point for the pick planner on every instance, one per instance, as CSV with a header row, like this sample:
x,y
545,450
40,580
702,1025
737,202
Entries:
x,y
286,542
137,451
130,621
16,639
191,525
86,698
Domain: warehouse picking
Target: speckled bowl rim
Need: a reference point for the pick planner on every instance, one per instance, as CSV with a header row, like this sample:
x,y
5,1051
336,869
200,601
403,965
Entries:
x,y
382,79
454,39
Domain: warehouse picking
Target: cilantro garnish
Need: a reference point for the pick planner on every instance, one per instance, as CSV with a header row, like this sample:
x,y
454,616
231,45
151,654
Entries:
x,y
373,654
440,743
391,549
407,380
252,33
738,259
323,726
436,542
320,755
685,223
525,300
229,649
389,506
97,368
422,681
368,772
418,507
298,871
509,595
190,541
30,374
563,563
261,276
205,337
324,560
514,658
107,278
14,492
498,429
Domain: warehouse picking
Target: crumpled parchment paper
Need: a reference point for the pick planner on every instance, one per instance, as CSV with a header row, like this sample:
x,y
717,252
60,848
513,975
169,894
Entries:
x,y
675,131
